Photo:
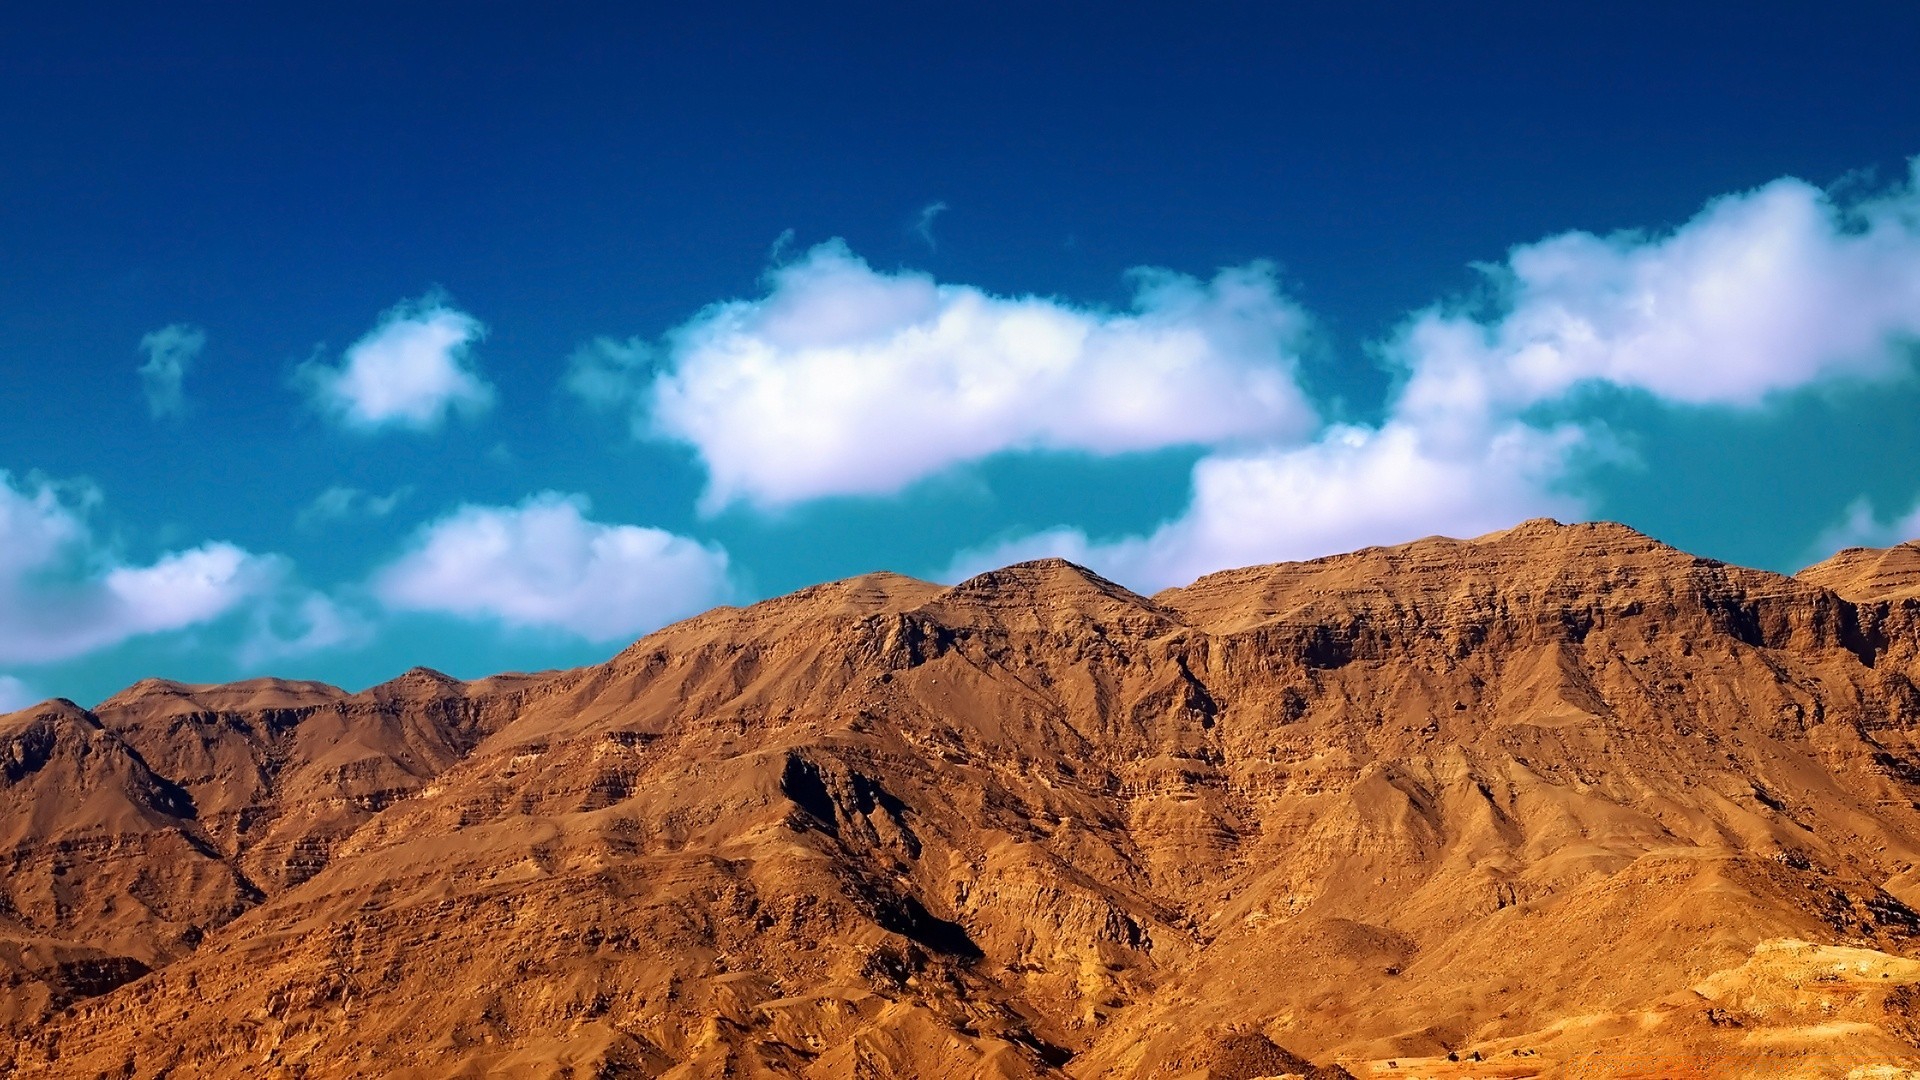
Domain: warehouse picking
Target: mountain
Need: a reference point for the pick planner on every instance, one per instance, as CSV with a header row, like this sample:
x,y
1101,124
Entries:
x,y
1556,801
1870,574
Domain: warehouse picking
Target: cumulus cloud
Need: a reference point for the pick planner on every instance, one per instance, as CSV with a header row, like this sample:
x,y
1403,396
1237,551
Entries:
x,y
844,380
63,594
15,695
339,502
545,564
410,371
1760,294
171,351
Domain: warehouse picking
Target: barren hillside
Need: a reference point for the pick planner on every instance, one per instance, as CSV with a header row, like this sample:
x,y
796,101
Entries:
x,y
1557,801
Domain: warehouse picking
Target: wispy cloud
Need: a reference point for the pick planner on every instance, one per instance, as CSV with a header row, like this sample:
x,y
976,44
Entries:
x,y
923,223
171,352
1862,526
844,380
340,502
544,564
15,694
782,244
301,622
608,373
413,369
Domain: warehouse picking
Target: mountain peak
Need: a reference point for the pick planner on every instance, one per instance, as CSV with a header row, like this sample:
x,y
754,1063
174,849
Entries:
x,y
1553,528
419,676
1050,592
51,711
1048,575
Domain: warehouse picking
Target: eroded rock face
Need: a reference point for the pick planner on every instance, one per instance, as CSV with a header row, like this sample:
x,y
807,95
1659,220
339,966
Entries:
x,y
1518,796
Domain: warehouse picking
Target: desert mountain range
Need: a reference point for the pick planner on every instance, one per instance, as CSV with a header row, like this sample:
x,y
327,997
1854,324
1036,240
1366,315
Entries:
x,y
1556,801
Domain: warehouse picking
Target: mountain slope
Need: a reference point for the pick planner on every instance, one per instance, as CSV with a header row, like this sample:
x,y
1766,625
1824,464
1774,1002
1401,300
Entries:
x,y
1870,574
1558,794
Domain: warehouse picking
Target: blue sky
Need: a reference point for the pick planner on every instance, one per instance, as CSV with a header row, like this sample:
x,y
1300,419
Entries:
x,y
335,340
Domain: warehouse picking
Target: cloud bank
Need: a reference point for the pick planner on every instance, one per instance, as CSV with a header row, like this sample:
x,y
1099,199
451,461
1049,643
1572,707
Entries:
x,y
543,564
410,371
844,380
171,351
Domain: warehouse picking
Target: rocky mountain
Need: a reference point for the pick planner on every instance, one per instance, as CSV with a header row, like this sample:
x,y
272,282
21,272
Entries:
x,y
1557,801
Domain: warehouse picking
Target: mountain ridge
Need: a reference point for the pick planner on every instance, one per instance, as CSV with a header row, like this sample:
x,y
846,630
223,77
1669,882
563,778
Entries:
x,y
1518,795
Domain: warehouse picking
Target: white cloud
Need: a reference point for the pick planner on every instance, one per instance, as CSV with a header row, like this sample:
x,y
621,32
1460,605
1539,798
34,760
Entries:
x,y
1862,526
297,623
1759,294
410,371
63,594
171,351
544,564
182,588
340,502
15,695
843,380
